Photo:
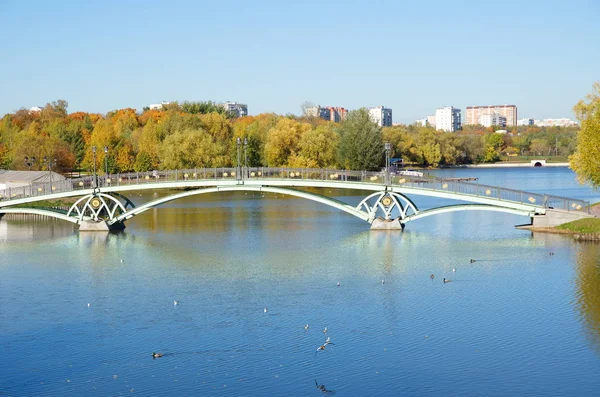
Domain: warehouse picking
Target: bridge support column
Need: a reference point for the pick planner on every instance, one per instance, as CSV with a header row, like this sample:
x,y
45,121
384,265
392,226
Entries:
x,y
387,224
99,226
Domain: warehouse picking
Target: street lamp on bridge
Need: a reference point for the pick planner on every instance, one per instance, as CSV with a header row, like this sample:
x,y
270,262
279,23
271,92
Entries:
x,y
95,176
388,149
106,160
239,144
246,157
29,161
51,163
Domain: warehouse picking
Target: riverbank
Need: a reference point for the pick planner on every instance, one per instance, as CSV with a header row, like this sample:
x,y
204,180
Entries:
x,y
507,165
581,230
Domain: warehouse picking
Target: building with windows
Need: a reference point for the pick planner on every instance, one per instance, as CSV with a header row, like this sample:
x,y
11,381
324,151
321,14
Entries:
x,y
508,111
337,114
421,122
448,119
329,113
488,120
555,123
236,109
381,115
158,106
525,122
431,120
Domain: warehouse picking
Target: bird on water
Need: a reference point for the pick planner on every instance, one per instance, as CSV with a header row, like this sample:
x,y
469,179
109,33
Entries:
x,y
157,355
446,280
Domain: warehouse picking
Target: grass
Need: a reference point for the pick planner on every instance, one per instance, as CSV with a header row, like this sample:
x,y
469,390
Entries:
x,y
588,225
46,204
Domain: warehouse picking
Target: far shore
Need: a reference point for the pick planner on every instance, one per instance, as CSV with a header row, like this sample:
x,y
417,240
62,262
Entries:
x,y
506,165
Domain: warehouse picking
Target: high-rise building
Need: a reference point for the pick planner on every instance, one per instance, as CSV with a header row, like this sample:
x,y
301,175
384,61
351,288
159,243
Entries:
x,y
337,114
488,120
555,123
447,119
381,115
318,111
236,109
421,122
508,111
525,122
431,120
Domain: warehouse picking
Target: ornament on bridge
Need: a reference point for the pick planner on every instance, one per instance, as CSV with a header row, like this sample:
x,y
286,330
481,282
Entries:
x,y
388,205
99,206
488,192
531,200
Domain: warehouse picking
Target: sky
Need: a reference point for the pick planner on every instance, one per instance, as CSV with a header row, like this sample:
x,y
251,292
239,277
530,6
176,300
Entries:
x,y
410,56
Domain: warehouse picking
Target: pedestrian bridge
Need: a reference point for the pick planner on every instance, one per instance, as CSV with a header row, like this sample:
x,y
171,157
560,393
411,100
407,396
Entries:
x,y
101,203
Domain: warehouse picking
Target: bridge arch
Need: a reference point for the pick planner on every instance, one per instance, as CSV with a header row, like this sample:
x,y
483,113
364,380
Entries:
x,y
39,211
268,189
466,207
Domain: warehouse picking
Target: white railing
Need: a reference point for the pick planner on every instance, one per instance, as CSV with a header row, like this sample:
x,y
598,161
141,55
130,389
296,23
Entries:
x,y
311,174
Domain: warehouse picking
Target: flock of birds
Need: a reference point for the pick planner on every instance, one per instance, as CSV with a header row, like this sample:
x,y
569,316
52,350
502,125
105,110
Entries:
x,y
327,342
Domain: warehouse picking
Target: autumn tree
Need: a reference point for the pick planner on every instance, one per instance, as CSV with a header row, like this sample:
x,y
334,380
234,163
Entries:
x,y
283,140
361,144
586,160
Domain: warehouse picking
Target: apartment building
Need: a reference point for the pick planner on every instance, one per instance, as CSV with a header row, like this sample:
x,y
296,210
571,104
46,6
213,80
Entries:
x,y
509,111
448,119
489,120
236,109
381,115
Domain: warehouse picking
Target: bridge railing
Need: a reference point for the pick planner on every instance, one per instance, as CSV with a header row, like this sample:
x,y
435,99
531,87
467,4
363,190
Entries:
x,y
330,175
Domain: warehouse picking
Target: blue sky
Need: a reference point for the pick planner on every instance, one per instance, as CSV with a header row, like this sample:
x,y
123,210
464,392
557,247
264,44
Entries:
x,y
412,56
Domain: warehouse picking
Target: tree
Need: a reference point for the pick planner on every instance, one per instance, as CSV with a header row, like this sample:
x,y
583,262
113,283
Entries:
x,y
319,146
361,143
539,146
586,160
282,141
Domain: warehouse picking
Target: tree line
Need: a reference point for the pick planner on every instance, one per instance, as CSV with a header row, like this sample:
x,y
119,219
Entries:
x,y
202,134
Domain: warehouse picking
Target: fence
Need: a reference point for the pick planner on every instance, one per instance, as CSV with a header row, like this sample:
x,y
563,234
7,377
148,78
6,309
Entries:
x,y
265,173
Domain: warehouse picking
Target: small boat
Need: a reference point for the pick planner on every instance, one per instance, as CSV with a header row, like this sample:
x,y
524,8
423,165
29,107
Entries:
x,y
410,173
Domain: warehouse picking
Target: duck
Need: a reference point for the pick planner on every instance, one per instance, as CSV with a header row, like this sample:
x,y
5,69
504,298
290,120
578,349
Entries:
x,y
265,310
446,280
453,270
472,260
157,355
89,304
552,253
338,284
306,327
325,330
382,281
432,277
328,341
175,303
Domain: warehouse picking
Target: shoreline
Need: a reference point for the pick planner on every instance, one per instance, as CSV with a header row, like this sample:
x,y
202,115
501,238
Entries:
x,y
504,165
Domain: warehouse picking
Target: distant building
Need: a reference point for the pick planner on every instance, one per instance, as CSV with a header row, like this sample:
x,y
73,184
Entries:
x,y
508,111
489,120
35,109
158,106
381,115
236,109
525,122
421,122
318,111
337,114
448,119
431,120
503,132
555,123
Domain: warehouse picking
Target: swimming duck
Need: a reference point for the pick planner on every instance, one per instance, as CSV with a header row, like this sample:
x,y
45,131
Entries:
x,y
325,330
265,310
306,327
432,277
175,303
446,280
157,355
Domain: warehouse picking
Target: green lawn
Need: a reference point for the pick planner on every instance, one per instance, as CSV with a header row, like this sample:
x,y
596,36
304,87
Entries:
x,y
589,225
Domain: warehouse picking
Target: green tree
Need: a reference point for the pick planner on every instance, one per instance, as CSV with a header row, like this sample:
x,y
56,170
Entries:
x,y
361,143
320,145
586,160
282,141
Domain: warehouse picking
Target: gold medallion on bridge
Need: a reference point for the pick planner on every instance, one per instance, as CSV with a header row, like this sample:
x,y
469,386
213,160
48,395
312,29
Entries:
x,y
95,203
386,201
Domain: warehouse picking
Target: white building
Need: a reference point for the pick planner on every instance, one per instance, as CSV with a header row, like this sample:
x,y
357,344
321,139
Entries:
x,y
381,115
431,120
525,122
447,119
421,122
158,106
236,109
555,123
318,111
35,109
488,120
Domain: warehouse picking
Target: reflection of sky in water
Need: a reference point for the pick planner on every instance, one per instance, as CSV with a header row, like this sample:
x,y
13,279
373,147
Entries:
x,y
517,321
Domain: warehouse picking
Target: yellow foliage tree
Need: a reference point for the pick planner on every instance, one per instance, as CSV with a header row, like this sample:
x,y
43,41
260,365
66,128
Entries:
x,y
586,160
282,141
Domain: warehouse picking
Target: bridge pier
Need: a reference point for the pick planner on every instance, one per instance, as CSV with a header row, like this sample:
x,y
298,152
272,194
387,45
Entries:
x,y
99,226
387,224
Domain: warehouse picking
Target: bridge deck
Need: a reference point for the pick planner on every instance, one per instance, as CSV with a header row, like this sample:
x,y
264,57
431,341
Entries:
x,y
293,177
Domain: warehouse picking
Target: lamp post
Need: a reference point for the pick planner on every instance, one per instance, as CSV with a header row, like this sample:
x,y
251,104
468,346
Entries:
x,y
246,157
29,161
106,160
95,177
388,148
239,143
51,163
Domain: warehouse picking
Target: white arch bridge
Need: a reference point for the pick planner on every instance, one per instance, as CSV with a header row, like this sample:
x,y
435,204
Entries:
x,y
102,204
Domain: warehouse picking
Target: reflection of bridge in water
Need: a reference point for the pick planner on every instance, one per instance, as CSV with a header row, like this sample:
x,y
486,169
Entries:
x,y
101,203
